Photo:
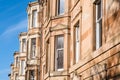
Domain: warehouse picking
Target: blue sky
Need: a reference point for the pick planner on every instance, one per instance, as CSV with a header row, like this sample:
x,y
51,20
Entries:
x,y
13,20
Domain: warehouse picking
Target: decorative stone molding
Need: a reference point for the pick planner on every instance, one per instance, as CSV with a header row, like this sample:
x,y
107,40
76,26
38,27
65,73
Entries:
x,y
59,27
76,76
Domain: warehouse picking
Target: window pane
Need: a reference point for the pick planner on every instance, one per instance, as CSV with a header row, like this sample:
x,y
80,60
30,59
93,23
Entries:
x,y
77,42
33,47
59,52
47,55
77,52
23,45
99,10
59,42
60,59
77,33
34,18
17,62
98,25
16,77
32,76
61,6
99,34
22,67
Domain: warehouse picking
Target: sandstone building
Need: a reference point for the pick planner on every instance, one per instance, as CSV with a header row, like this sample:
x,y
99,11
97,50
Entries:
x,y
70,40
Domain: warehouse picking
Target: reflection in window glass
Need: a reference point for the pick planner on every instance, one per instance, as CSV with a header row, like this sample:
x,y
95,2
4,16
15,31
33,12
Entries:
x,y
98,24
61,6
59,52
33,47
34,18
77,42
32,75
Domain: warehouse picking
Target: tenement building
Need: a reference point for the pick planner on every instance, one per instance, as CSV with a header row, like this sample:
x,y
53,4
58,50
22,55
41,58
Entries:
x,y
18,67
69,40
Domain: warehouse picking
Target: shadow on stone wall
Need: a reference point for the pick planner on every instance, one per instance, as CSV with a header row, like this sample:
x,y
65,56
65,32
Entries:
x,y
108,69
113,19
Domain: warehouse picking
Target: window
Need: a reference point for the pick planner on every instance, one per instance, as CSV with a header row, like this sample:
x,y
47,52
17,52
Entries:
x,y
17,62
34,18
47,55
32,75
77,42
33,47
59,52
98,32
22,67
60,7
16,77
24,45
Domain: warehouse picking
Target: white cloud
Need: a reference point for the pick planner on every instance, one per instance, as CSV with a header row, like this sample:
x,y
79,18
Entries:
x,y
15,28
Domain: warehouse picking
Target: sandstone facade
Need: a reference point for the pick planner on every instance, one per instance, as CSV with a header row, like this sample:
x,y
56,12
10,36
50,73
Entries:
x,y
71,40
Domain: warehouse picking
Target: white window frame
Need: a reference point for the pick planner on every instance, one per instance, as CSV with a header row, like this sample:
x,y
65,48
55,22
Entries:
x,y
98,25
